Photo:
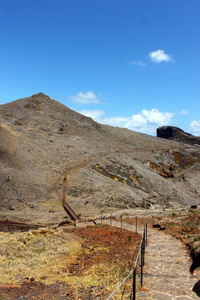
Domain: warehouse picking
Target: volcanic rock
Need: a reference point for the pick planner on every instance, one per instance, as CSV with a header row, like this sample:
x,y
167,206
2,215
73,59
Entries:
x,y
176,134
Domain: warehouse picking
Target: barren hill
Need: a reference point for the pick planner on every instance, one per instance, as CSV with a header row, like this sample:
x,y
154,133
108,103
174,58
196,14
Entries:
x,y
43,141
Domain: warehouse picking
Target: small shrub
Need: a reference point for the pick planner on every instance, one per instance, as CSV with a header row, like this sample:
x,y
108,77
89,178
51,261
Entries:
x,y
193,211
197,238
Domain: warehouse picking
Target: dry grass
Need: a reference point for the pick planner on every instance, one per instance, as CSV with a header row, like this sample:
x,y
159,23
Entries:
x,y
51,256
40,254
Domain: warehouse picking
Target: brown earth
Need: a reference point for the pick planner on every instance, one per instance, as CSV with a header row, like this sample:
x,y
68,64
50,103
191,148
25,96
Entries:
x,y
113,247
181,224
185,227
108,168
107,255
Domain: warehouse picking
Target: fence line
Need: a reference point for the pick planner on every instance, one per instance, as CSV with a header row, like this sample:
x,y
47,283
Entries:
x,y
23,227
107,218
140,257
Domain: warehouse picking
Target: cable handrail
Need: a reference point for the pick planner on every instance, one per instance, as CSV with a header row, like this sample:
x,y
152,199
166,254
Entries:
x,y
142,247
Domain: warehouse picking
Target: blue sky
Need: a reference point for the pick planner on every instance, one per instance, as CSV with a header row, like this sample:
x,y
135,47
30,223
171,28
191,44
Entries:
x,y
127,63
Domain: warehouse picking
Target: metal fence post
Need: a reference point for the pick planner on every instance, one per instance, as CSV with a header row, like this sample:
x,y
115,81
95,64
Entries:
x,y
134,284
144,250
136,224
121,220
146,233
101,217
110,219
142,253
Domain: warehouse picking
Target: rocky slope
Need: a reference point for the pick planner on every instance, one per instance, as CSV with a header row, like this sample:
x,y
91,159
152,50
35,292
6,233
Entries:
x,y
42,141
176,134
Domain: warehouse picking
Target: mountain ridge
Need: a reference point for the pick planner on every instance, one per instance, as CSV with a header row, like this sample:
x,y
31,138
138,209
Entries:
x,y
109,168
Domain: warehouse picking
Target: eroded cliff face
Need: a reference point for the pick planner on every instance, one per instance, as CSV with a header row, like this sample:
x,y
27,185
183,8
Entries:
x,y
42,141
176,134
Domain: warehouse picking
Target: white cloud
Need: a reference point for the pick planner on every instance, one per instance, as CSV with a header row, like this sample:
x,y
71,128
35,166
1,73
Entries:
x,y
195,128
94,114
85,98
159,56
184,112
146,121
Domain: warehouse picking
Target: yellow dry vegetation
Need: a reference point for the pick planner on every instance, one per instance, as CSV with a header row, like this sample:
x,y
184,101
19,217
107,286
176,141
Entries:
x,y
154,166
106,173
177,157
46,255
163,172
116,178
133,178
42,254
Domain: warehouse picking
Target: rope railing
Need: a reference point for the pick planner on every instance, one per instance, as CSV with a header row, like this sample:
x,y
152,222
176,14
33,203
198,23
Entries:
x,y
16,226
139,261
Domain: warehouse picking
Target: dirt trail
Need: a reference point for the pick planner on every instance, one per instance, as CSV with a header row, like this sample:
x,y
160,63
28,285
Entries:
x,y
54,188
64,176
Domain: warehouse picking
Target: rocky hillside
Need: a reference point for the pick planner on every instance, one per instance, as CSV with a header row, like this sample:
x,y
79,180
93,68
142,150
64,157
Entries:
x,y
43,141
176,134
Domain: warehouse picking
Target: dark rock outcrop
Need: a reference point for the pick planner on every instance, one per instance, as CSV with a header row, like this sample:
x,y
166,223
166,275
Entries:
x,y
176,134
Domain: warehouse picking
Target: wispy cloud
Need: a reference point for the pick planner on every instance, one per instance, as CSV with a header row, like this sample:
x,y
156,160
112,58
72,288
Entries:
x,y
136,63
160,56
184,112
141,64
195,128
85,98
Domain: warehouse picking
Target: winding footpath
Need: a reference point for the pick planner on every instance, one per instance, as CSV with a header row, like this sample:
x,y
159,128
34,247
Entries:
x,y
166,270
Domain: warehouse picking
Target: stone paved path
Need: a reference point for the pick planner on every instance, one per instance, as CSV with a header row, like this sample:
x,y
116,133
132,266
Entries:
x,y
166,270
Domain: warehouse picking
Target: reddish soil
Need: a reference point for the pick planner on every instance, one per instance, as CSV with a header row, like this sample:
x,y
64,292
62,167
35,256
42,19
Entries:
x,y
182,227
120,247
112,246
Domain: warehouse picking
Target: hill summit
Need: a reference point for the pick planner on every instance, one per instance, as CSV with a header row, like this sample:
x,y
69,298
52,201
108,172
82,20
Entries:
x,y
107,168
